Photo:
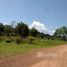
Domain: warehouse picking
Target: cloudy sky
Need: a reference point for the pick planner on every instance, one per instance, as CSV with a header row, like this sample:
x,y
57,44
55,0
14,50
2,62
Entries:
x,y
44,15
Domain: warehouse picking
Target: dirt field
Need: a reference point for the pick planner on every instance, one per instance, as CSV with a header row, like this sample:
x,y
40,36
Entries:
x,y
46,57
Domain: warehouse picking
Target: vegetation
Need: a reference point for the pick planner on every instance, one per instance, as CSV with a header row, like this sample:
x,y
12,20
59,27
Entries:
x,y
33,32
1,28
22,30
21,39
25,47
61,33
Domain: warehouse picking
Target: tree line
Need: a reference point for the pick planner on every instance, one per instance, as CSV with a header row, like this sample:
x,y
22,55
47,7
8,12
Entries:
x,y
22,30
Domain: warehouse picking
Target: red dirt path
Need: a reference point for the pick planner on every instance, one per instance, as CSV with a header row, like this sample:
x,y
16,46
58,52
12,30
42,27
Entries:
x,y
46,57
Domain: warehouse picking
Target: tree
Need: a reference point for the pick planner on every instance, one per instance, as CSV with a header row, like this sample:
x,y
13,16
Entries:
x,y
41,34
22,29
33,32
8,30
1,28
61,33
57,33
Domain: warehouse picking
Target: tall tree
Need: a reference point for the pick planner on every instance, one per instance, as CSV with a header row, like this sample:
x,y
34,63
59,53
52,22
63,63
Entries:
x,y
22,29
33,32
61,33
1,28
8,30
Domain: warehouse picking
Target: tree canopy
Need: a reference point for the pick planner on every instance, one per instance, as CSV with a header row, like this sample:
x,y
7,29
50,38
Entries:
x,y
61,33
22,29
1,28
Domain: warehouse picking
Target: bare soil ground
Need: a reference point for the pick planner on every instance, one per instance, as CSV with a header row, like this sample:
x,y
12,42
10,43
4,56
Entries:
x,y
46,57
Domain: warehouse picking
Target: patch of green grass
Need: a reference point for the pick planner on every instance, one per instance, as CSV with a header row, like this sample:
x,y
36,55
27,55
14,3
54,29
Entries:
x,y
13,48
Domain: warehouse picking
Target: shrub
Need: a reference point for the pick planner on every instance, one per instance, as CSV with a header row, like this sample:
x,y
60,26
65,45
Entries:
x,y
18,40
8,41
1,39
30,39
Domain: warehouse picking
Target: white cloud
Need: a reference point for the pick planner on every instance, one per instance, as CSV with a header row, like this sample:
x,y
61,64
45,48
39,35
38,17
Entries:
x,y
39,26
51,32
5,23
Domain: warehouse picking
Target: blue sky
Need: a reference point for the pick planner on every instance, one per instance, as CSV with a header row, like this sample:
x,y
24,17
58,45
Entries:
x,y
51,13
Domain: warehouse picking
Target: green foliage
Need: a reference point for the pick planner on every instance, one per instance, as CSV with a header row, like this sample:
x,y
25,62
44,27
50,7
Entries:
x,y
22,35
42,35
8,41
61,33
13,48
1,28
18,40
22,29
30,39
1,39
8,30
33,32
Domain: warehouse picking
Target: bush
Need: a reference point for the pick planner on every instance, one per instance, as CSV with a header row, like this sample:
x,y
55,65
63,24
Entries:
x,y
1,39
8,41
18,40
30,39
